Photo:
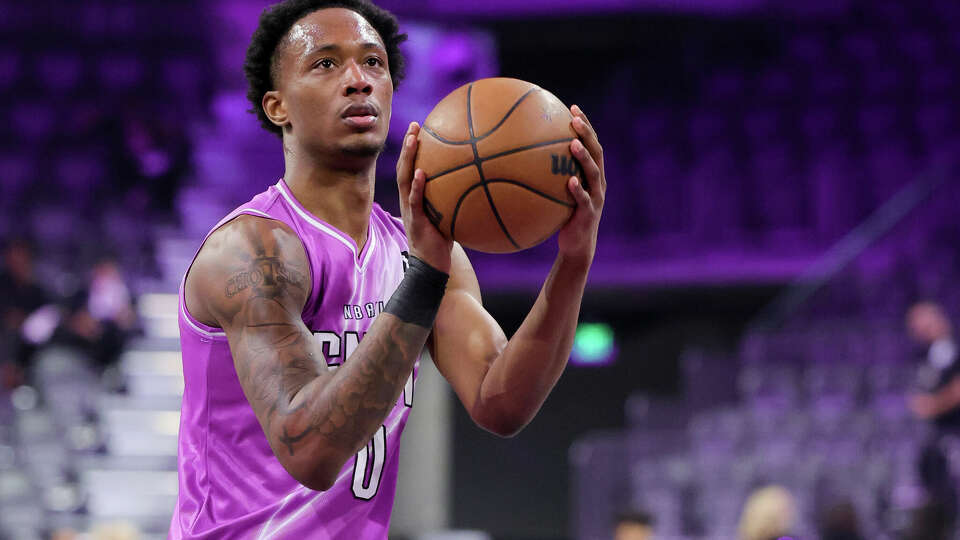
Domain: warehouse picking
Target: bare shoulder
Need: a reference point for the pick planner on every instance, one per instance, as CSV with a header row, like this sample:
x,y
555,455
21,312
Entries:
x,y
246,257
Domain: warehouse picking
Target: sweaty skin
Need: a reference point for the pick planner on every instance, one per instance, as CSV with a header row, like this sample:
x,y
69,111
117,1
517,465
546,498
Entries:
x,y
250,277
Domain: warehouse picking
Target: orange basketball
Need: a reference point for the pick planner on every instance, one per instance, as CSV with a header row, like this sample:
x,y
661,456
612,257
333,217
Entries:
x,y
496,153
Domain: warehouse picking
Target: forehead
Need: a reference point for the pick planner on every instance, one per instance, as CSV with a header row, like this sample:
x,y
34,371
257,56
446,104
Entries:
x,y
329,26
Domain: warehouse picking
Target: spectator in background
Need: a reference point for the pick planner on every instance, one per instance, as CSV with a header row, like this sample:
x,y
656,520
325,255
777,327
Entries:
x,y
99,318
770,513
153,154
840,522
20,296
116,530
633,525
937,400
929,522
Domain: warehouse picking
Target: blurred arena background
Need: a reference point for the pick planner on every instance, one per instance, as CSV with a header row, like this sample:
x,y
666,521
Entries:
x,y
783,186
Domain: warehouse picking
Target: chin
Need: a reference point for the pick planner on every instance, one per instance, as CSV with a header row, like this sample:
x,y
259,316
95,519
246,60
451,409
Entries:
x,y
363,147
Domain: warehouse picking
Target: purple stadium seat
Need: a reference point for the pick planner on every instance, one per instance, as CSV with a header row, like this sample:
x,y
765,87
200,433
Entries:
x,y
10,66
706,126
182,76
937,81
651,126
882,81
59,73
762,124
55,227
715,198
890,12
820,122
890,167
861,48
78,173
831,82
779,200
120,73
809,48
934,121
34,121
659,194
726,87
918,47
877,122
834,186
777,85
16,172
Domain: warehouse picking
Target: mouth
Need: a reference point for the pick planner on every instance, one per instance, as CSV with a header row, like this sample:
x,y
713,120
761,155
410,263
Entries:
x,y
360,116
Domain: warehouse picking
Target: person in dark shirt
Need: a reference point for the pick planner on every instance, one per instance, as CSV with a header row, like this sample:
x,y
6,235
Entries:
x,y
99,318
937,400
20,295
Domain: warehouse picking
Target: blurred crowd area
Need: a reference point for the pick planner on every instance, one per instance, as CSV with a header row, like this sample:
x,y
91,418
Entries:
x,y
821,145
94,136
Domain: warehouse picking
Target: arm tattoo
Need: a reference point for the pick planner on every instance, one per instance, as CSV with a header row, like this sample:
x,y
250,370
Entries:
x,y
299,402
265,272
361,397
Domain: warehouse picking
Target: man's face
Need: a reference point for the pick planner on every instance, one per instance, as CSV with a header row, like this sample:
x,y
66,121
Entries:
x,y
333,84
633,531
926,323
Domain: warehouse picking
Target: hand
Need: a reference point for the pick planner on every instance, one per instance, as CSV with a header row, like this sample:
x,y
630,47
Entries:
x,y
923,406
578,237
425,240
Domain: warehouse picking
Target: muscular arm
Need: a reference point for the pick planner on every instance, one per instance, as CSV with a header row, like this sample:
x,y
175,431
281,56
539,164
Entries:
x,y
503,383
251,279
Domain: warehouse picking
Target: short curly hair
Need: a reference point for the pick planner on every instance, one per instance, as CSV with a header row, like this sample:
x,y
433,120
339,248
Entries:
x,y
275,21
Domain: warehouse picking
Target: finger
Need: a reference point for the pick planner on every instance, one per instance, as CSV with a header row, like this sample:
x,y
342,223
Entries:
x,y
590,168
405,163
589,137
416,191
408,151
579,194
578,112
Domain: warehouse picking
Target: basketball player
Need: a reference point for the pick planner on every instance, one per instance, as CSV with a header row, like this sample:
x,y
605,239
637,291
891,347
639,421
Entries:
x,y
291,423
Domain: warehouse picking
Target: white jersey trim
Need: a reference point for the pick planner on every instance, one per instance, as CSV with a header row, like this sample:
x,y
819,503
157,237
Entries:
x,y
313,221
186,317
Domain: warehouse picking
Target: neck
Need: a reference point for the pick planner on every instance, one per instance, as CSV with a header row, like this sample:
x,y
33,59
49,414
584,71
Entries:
x,y
339,193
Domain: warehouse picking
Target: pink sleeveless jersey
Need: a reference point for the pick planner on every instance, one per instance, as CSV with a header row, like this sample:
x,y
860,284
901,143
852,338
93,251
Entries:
x,y
230,483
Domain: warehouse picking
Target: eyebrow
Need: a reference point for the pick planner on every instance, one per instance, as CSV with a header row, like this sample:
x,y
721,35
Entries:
x,y
335,47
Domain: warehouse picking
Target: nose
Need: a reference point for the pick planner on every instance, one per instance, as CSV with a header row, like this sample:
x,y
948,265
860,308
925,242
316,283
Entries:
x,y
356,81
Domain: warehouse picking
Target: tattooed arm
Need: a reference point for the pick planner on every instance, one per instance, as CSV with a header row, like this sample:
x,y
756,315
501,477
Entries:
x,y
252,279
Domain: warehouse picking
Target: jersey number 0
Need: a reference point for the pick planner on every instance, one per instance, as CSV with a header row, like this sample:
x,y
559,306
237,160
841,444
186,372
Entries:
x,y
368,466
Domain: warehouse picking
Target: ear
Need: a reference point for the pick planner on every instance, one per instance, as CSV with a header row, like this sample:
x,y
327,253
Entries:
x,y
274,108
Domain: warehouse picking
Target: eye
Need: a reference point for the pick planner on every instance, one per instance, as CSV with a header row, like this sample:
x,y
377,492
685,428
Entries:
x,y
373,61
325,63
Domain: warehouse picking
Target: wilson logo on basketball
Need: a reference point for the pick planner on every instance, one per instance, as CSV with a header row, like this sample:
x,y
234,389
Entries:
x,y
565,165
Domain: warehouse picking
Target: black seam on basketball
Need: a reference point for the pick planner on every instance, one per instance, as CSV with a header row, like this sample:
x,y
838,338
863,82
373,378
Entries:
x,y
463,196
524,148
532,190
498,155
443,140
479,165
509,112
456,209
474,139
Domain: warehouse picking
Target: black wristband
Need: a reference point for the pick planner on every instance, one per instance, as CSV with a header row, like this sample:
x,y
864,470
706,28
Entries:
x,y
418,297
